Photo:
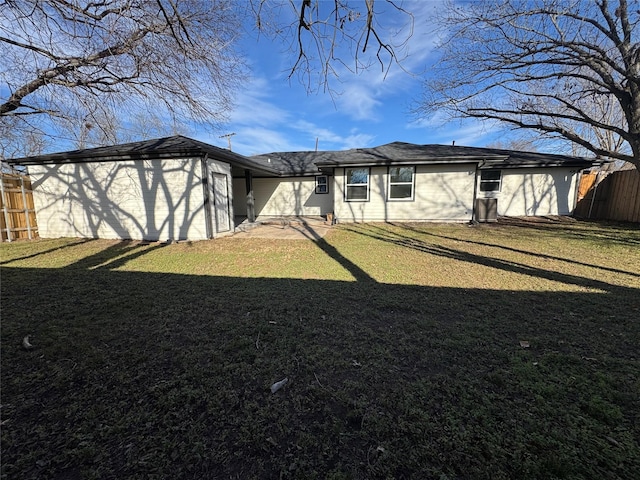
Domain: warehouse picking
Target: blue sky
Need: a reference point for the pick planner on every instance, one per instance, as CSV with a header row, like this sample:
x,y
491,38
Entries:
x,y
275,114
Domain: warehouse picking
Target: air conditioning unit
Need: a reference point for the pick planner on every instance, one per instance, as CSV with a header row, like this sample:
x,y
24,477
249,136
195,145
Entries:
x,y
486,210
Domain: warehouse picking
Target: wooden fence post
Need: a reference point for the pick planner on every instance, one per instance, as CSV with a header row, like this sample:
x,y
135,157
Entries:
x,y
5,211
26,208
16,201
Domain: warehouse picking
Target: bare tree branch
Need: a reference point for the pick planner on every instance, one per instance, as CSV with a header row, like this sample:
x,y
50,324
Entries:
x,y
565,68
174,58
63,60
317,27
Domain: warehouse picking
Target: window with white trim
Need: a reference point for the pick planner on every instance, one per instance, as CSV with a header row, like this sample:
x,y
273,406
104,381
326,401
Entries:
x,y
490,180
356,184
401,183
322,184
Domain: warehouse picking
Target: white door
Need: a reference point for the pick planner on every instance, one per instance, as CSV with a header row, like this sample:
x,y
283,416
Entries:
x,y
220,186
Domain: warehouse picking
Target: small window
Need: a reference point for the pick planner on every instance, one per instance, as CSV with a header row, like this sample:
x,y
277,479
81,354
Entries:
x,y
490,180
322,184
401,183
356,184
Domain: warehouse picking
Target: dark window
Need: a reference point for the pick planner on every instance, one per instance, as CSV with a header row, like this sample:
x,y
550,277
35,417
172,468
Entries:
x,y
322,184
490,180
401,183
356,184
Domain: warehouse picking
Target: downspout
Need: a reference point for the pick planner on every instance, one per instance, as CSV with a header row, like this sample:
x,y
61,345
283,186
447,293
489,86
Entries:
x,y
207,199
475,192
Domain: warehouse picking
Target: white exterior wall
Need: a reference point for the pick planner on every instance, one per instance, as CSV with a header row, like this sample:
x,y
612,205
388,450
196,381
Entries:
x,y
441,193
537,191
136,199
294,196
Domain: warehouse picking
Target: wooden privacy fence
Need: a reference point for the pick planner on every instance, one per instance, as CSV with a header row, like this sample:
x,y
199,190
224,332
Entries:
x,y
615,196
17,212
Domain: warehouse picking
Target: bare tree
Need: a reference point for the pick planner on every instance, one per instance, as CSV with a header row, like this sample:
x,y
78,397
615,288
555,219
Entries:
x,y
15,142
66,66
609,111
72,62
521,144
569,69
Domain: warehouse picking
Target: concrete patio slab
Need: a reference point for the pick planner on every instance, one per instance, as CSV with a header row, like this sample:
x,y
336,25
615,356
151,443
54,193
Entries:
x,y
289,228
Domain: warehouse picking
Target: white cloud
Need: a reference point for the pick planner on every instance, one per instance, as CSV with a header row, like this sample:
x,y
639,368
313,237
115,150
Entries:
x,y
313,131
330,140
261,126
440,129
358,140
435,121
253,105
360,102
253,141
364,96
257,140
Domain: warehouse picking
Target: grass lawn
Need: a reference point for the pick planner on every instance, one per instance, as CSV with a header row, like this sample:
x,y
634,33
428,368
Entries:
x,y
401,343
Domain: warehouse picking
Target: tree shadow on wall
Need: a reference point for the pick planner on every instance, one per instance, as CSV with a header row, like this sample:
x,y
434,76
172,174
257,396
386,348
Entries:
x,y
150,200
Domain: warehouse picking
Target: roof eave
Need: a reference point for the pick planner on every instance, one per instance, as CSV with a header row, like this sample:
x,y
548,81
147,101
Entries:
x,y
61,158
534,164
430,161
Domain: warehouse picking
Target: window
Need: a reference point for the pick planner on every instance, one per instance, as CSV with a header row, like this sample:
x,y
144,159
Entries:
x,y
401,183
490,180
357,184
322,184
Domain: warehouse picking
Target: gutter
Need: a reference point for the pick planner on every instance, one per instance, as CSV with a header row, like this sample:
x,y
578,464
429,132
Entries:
x,y
408,161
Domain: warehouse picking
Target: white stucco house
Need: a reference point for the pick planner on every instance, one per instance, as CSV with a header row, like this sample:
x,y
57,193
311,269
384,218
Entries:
x,y
177,188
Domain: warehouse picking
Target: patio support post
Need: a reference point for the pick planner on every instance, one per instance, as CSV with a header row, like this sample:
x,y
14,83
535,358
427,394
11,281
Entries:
x,y
251,211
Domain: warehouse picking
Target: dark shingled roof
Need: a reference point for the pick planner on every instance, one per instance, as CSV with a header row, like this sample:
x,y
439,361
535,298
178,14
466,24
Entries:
x,y
285,164
296,163
168,147
397,153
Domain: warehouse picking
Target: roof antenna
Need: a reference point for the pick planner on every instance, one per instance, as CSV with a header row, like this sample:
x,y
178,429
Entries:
x,y
316,144
228,137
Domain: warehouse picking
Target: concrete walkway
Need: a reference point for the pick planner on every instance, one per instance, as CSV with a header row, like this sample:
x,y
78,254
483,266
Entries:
x,y
289,228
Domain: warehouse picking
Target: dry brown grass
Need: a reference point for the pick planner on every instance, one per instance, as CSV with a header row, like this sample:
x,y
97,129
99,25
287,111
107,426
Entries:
x,y
401,343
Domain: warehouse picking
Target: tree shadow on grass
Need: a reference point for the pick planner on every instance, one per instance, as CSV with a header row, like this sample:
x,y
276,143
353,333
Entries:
x,y
397,238
137,374
614,232
525,252
79,241
117,254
